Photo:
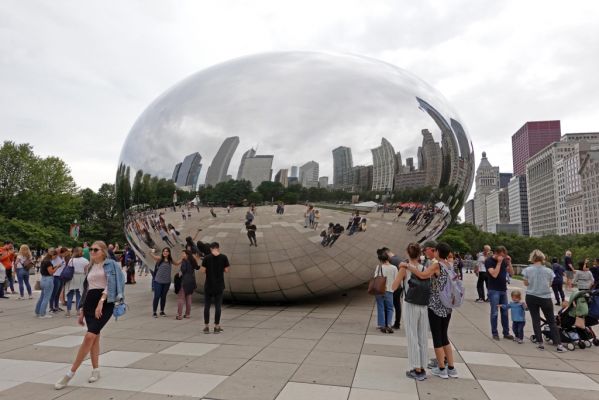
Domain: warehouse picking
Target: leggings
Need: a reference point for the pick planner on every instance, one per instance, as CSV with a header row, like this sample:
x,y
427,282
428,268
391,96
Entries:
x,y
218,301
439,326
397,305
160,291
558,291
535,306
481,283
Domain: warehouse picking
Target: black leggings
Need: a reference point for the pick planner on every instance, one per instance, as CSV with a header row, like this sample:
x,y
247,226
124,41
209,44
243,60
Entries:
x,y
160,291
535,306
218,301
397,306
558,290
439,326
481,283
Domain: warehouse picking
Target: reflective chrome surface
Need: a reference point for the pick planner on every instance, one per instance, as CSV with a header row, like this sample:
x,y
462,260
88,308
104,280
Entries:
x,y
297,107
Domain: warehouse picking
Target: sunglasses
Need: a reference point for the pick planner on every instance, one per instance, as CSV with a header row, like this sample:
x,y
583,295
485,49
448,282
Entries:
x,y
94,249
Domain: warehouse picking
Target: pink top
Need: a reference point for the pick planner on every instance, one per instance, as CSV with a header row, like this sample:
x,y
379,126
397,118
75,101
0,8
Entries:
x,y
96,279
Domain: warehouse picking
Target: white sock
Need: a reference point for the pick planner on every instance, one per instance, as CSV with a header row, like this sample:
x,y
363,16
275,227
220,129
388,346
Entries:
x,y
70,374
95,369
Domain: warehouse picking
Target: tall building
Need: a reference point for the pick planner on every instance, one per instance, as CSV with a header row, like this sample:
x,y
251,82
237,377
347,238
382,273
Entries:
x,y
518,202
469,212
342,166
323,182
176,172
308,174
409,164
384,163
362,178
410,180
257,169
498,211
248,154
282,177
189,171
531,138
589,178
294,172
430,159
217,171
504,179
487,180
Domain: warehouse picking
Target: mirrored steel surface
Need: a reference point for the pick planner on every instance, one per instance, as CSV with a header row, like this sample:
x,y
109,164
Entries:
x,y
296,107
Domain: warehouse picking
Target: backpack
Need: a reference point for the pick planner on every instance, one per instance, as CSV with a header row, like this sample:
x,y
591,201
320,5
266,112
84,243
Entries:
x,y
67,273
452,294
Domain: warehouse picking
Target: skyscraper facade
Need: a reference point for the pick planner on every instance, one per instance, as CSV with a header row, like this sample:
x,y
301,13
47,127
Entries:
x,y
504,179
217,171
498,212
308,174
176,172
248,154
342,167
282,177
487,180
384,163
518,203
189,171
589,178
469,212
294,172
430,159
257,169
531,138
323,182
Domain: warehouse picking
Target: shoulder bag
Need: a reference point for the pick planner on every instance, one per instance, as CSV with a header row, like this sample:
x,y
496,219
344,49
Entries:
x,y
418,291
378,284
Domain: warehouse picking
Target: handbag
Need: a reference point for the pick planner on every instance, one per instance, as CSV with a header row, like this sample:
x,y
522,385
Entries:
x,y
28,264
119,310
418,291
37,286
378,284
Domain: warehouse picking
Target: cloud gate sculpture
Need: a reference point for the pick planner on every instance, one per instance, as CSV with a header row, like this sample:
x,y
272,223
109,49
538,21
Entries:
x,y
353,127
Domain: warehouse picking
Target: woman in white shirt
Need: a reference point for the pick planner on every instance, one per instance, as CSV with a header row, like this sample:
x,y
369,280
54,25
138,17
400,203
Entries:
x,y
74,287
384,302
23,264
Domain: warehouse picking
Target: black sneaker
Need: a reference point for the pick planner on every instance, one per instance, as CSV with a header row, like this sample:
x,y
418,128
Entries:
x,y
508,337
389,330
155,315
540,346
415,375
496,337
206,330
218,330
396,325
162,314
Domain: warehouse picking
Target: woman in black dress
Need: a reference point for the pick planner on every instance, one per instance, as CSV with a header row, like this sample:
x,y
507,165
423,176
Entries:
x,y
103,286
189,266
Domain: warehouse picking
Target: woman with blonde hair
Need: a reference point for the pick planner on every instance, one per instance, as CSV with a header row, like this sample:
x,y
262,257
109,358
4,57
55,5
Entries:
x,y
103,286
538,280
23,263
74,287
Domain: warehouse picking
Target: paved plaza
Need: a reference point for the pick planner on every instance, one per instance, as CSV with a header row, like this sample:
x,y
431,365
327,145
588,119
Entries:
x,y
326,348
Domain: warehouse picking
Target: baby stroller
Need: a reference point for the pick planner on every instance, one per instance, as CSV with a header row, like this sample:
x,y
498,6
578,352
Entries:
x,y
571,335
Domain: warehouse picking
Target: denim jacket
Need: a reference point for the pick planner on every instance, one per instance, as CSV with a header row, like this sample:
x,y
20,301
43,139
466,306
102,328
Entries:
x,y
115,283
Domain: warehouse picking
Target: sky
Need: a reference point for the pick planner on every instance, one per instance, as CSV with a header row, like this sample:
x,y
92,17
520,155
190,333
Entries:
x,y
76,75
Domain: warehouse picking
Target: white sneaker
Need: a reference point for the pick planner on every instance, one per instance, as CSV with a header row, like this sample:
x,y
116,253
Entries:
x,y
61,384
94,376
441,373
45,316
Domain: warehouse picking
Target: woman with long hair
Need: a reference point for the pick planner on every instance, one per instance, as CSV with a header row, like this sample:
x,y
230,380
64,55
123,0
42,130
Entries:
x,y
187,270
74,287
23,263
162,279
46,283
103,286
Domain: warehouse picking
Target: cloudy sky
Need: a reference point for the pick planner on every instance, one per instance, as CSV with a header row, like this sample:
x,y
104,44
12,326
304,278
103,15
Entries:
x,y
75,75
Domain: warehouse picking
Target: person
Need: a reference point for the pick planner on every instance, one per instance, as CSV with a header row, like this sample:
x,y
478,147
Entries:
x,y
384,302
7,258
537,280
569,266
595,272
516,309
174,233
164,236
316,219
212,212
429,252
459,266
481,272
86,251
337,231
214,266
415,316
74,287
2,280
46,283
162,279
103,286
59,264
249,216
394,260
251,232
354,224
187,270
23,263
498,266
191,246
328,235
130,260
309,216
558,281
439,315
583,278
111,250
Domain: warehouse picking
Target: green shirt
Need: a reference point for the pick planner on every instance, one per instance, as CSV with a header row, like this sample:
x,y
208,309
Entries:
x,y
86,253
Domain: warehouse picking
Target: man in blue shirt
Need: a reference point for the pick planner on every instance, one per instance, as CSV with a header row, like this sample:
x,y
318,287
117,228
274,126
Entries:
x,y
498,266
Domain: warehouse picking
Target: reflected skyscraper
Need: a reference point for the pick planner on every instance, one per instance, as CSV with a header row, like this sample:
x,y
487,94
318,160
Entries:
x,y
282,177
257,169
248,154
384,165
217,171
189,171
308,174
342,168
176,172
431,159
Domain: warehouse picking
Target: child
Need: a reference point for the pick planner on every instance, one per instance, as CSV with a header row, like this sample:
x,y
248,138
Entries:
x,y
517,309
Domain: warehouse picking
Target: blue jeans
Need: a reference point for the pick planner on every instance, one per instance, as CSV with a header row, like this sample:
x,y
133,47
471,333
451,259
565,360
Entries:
x,y
160,291
518,329
55,298
70,299
497,297
23,278
11,280
384,309
47,286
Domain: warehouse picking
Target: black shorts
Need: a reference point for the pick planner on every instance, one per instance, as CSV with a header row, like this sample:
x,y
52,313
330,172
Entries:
x,y
95,325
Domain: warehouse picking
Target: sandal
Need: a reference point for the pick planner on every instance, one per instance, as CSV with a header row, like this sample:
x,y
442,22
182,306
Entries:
x,y
186,316
178,317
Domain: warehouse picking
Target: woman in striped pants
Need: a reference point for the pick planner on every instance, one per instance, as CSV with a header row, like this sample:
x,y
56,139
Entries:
x,y
415,317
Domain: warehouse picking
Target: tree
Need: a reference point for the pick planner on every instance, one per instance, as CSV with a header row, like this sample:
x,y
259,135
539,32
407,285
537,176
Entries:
x,y
271,190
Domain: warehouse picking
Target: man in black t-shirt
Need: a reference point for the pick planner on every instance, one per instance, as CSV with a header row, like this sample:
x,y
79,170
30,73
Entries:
x,y
498,266
214,266
569,266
